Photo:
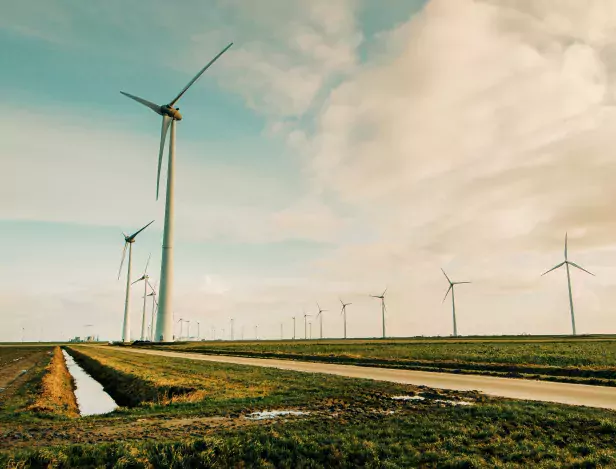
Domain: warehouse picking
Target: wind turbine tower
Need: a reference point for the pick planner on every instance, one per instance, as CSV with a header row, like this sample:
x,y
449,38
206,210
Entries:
x,y
453,301
343,312
567,263
306,315
154,305
170,115
293,327
144,278
382,298
320,316
128,241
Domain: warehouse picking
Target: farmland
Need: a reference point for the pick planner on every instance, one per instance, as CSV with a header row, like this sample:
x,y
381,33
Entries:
x,y
590,360
184,413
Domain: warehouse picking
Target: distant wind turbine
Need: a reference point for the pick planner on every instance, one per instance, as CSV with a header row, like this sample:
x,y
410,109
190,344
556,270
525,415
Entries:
x,y
154,303
382,298
170,114
198,330
144,278
293,327
453,301
128,241
306,315
343,312
320,316
567,263
181,329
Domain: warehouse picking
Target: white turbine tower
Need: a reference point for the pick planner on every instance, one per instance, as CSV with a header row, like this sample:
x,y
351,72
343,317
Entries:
x,y
170,114
128,241
144,278
343,312
382,298
293,327
453,301
154,305
320,316
306,315
567,263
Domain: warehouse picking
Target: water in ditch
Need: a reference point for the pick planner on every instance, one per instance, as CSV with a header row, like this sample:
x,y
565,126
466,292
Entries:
x,y
91,397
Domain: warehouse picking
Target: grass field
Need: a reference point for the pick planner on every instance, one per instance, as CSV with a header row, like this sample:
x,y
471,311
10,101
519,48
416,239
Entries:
x,y
184,413
588,360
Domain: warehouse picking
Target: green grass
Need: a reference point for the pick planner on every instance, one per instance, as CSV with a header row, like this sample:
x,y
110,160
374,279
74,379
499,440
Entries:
x,y
351,423
582,360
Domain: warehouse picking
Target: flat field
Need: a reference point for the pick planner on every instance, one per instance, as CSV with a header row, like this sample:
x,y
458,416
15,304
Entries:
x,y
586,360
21,371
185,413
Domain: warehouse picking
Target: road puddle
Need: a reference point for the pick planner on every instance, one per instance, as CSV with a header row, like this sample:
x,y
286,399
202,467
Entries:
x,y
91,397
422,398
272,414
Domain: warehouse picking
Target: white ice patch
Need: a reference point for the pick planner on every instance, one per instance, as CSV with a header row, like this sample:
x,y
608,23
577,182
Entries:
x,y
421,398
272,414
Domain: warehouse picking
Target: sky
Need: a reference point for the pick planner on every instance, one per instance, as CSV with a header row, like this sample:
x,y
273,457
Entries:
x,y
337,149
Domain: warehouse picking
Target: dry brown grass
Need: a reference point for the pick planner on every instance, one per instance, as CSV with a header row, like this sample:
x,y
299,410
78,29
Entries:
x,y
57,389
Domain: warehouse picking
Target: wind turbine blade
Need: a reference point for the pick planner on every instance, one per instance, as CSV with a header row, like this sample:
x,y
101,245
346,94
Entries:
x,y
134,235
190,83
565,246
138,280
147,264
581,268
458,283
445,297
554,268
163,135
384,291
445,275
122,261
145,102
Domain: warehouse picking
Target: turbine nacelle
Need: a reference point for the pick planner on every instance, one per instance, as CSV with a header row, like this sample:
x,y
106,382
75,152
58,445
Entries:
x,y
171,111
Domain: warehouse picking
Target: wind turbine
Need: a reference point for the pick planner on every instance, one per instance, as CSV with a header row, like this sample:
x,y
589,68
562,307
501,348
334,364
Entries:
x,y
144,278
321,311
198,330
567,263
154,303
306,315
453,301
382,298
128,241
187,330
170,114
293,327
232,328
343,312
181,329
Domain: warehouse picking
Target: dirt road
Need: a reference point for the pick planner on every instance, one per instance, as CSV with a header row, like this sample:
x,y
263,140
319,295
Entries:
x,y
564,393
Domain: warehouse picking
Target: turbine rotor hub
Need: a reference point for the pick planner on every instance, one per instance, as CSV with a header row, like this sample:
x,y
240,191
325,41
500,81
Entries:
x,y
172,112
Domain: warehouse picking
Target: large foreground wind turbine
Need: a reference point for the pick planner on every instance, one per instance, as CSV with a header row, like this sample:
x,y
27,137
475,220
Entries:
x,y
343,312
382,298
453,301
567,263
144,278
320,316
128,241
170,114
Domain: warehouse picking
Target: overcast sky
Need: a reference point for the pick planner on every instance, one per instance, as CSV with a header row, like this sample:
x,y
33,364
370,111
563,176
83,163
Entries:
x,y
337,149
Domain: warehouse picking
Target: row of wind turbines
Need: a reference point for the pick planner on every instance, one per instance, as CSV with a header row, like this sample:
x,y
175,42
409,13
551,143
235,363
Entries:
x,y
161,330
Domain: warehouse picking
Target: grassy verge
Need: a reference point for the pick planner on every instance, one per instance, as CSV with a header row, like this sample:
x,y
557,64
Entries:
x,y
56,395
584,361
491,435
